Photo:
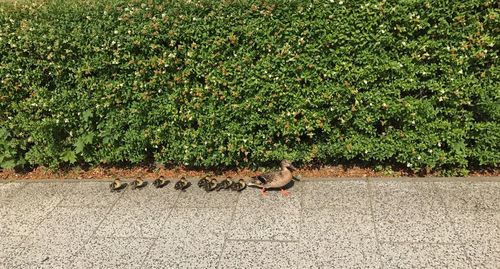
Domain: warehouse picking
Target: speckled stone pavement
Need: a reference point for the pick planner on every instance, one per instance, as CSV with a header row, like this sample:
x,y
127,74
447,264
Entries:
x,y
373,223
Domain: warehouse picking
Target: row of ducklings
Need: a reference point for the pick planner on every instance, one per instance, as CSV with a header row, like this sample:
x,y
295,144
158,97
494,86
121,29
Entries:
x,y
206,183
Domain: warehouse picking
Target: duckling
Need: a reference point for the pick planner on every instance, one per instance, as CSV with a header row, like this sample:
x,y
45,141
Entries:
x,y
203,181
139,183
161,182
225,184
239,186
117,185
182,184
211,185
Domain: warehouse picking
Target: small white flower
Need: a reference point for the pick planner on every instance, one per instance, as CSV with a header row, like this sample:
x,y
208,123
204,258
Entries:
x,y
430,151
460,71
115,32
400,65
66,120
413,122
366,82
418,158
408,165
404,43
341,2
366,151
439,144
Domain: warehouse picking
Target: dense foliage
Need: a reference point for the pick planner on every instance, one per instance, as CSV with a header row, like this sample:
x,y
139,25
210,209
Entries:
x,y
224,83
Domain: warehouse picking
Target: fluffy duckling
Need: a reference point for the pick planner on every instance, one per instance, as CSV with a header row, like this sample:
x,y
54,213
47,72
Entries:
x,y
161,182
211,185
203,181
239,186
182,184
139,183
225,184
117,185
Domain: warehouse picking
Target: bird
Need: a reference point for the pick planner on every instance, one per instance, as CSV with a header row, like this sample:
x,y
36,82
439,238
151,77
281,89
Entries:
x,y
203,181
225,184
182,184
239,185
161,182
139,183
117,185
276,179
211,185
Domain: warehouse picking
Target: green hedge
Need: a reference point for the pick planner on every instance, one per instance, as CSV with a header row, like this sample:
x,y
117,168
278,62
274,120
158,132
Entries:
x,y
243,83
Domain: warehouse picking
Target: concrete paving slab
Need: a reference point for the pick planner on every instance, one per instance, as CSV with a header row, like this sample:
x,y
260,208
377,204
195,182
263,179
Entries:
x,y
339,254
149,197
259,254
261,223
185,252
91,194
397,197
43,190
484,255
399,255
7,190
196,223
197,197
8,244
48,263
410,212
348,194
476,226
38,249
69,221
468,195
21,220
113,253
433,228
329,224
252,198
145,222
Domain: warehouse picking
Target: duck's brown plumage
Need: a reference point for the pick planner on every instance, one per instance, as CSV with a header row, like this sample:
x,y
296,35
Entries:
x,y
276,179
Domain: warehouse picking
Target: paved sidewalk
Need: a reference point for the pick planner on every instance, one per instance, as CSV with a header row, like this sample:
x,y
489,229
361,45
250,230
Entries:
x,y
395,223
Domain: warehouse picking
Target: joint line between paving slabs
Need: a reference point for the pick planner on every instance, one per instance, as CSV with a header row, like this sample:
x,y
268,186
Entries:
x,y
447,213
233,212
372,212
